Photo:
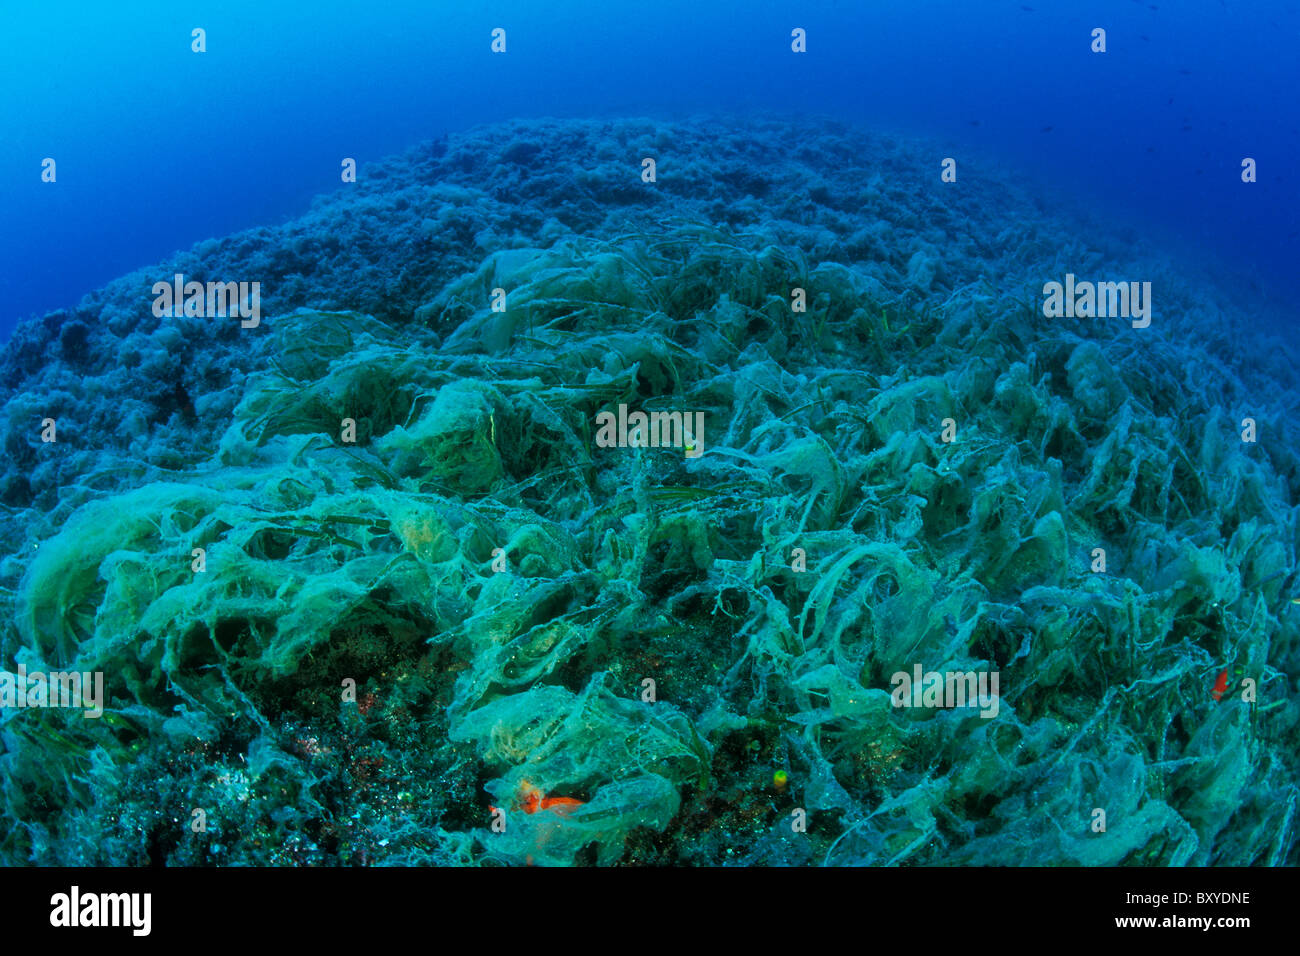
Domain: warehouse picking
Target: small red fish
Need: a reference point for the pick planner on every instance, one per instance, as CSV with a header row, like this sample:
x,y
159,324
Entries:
x,y
531,799
561,804
1220,685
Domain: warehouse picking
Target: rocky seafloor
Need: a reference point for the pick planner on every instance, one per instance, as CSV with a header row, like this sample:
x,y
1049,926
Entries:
x,y
467,631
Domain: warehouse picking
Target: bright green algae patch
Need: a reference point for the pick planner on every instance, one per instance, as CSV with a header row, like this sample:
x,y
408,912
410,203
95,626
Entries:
x,y
381,560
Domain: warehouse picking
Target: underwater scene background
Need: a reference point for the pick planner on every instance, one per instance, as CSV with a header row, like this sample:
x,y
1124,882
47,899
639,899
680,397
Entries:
x,y
695,434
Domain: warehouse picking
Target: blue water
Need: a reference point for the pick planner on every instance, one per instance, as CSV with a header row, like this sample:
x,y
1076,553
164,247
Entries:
x,y
158,147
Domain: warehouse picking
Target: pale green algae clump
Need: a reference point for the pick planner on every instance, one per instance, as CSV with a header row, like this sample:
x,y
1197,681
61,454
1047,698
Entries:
x,y
500,586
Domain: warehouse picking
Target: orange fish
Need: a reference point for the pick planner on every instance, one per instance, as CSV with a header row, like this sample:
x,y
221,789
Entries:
x,y
561,804
1220,686
531,799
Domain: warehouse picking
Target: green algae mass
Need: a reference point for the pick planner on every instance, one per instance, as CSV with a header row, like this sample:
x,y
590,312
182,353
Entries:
x,y
500,588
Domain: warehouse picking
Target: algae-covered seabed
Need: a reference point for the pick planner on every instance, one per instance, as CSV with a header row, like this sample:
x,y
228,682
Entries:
x,y
500,587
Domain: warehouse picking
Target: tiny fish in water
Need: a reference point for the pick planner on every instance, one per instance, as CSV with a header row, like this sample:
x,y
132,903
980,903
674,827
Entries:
x,y
1220,685
531,799
560,804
